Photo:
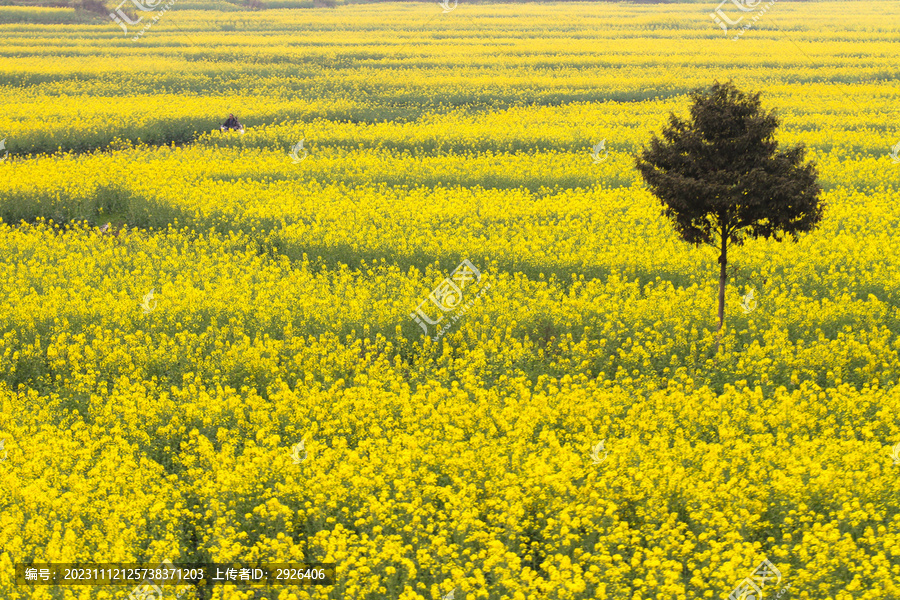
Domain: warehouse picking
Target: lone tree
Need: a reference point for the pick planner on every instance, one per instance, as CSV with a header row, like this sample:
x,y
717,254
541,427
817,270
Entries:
x,y
722,178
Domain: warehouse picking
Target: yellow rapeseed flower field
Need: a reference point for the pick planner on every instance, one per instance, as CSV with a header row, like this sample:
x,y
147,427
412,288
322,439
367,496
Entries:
x,y
219,347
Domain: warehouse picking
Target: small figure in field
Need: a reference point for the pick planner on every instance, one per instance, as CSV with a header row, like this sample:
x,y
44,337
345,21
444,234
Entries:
x,y
232,123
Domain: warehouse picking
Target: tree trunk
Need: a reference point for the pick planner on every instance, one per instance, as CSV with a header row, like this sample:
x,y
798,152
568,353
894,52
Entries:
x,y
723,274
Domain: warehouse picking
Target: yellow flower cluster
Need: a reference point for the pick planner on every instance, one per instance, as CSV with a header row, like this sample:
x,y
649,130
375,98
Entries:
x,y
430,468
573,435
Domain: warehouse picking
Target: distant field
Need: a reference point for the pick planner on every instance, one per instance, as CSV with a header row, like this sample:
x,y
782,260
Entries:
x,y
252,292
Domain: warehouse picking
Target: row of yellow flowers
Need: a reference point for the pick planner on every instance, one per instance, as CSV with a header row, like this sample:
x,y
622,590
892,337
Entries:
x,y
46,122
74,304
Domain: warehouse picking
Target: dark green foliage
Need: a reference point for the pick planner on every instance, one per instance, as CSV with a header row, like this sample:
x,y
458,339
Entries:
x,y
722,170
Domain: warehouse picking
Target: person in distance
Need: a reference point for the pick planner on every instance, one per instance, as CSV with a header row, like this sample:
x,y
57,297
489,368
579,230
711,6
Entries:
x,y
232,123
